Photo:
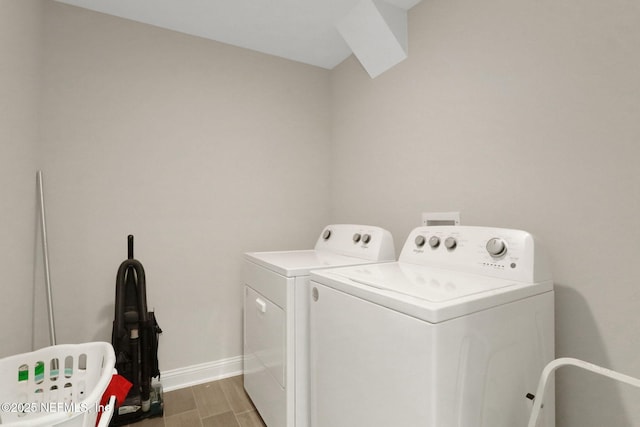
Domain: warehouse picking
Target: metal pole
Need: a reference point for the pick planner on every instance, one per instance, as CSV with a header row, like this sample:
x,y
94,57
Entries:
x,y
45,256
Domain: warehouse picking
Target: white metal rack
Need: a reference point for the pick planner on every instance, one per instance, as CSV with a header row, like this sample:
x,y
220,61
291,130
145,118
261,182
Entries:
x,y
568,361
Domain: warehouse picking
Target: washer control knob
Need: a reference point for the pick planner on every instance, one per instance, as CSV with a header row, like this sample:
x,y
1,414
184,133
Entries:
x,y
450,243
326,234
420,241
496,247
366,238
356,237
434,241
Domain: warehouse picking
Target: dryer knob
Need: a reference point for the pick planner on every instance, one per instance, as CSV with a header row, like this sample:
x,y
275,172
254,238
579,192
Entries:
x,y
326,234
434,241
366,238
356,237
420,241
450,243
496,247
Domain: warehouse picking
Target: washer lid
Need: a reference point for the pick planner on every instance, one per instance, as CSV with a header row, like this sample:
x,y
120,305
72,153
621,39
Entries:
x,y
428,293
299,263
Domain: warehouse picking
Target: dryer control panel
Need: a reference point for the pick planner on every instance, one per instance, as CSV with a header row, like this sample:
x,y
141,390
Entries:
x,y
493,252
361,241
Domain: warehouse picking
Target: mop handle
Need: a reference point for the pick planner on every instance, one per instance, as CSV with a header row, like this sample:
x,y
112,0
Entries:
x,y
45,256
569,361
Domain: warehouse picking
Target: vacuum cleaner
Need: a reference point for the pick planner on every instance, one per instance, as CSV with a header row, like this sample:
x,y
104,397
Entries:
x,y
135,341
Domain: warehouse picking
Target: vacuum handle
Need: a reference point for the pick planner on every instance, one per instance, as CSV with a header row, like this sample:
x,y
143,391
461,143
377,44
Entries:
x,y
130,246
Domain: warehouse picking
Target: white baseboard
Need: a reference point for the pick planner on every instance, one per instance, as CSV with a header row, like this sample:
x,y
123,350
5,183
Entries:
x,y
202,373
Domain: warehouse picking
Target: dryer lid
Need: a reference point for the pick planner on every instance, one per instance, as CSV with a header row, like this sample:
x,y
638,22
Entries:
x,y
299,263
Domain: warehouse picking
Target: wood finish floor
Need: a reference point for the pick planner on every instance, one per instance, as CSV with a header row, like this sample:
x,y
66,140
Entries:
x,y
220,403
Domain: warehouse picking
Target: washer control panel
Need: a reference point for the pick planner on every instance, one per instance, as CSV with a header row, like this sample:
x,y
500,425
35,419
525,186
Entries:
x,y
362,241
494,252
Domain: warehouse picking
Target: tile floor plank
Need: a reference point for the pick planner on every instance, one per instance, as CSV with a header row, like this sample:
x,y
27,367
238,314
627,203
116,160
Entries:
x,y
184,419
234,390
228,419
250,419
210,399
222,403
178,401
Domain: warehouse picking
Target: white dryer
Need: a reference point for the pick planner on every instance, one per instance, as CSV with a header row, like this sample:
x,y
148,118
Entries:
x,y
454,334
276,313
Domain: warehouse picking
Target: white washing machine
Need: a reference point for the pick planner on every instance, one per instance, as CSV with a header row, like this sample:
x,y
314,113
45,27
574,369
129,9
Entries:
x,y
454,334
276,313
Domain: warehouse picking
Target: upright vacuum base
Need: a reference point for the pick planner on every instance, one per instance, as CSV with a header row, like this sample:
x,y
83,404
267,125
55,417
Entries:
x,y
131,410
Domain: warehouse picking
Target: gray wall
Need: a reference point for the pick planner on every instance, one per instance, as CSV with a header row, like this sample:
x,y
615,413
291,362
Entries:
x,y
20,55
525,115
192,146
518,114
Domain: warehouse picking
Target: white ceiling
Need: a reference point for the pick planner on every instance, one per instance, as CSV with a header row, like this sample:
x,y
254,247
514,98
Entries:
x,y
300,30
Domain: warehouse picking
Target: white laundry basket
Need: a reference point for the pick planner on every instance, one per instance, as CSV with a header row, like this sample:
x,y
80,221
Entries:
x,y
56,386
